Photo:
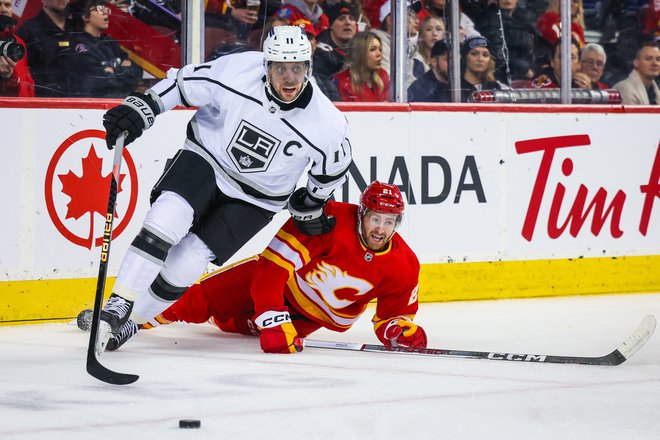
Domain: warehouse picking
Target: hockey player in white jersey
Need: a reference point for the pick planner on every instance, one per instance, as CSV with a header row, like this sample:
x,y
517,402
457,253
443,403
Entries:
x,y
260,122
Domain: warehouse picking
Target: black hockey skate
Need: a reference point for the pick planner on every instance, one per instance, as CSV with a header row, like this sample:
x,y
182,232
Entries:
x,y
126,332
113,317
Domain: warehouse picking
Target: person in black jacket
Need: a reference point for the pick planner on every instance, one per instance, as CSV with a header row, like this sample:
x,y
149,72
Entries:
x,y
477,67
46,37
99,67
433,86
332,47
520,37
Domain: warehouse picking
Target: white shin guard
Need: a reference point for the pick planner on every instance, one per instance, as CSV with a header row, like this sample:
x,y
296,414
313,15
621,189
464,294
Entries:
x,y
167,222
185,264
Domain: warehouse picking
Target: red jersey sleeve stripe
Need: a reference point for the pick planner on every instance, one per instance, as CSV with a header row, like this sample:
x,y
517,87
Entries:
x,y
294,244
279,261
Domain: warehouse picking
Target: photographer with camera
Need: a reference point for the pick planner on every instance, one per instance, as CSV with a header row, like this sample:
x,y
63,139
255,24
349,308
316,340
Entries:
x,y
98,66
46,36
15,78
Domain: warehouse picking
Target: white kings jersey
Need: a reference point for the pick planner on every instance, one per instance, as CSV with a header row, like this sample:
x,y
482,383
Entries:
x,y
258,150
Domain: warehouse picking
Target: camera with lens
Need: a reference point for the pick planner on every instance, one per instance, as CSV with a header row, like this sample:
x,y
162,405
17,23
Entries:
x,y
12,50
9,47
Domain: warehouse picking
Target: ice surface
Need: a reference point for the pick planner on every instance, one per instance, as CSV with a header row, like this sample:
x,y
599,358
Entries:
x,y
238,392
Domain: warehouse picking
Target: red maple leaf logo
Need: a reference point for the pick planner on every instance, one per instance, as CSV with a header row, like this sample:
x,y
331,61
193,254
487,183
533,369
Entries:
x,y
89,192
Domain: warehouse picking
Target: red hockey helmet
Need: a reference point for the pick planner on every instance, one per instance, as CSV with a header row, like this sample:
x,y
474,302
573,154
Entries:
x,y
382,197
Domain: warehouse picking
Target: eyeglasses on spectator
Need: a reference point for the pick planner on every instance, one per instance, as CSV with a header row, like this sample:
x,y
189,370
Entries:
x,y
597,63
101,9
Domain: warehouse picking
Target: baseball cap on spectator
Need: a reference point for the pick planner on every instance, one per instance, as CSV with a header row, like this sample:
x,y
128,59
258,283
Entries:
x,y
439,48
472,42
306,26
336,10
386,10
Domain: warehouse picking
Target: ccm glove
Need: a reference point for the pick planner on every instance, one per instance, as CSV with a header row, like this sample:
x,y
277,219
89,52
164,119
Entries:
x,y
404,333
133,116
310,220
278,335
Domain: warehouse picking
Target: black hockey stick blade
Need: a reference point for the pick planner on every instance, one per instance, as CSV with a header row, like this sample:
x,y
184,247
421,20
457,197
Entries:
x,y
94,367
623,352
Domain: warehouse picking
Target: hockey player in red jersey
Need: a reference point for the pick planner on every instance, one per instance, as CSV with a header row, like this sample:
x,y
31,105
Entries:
x,y
301,283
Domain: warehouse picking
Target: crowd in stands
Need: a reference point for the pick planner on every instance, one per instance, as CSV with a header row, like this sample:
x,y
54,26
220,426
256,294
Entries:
x,y
504,44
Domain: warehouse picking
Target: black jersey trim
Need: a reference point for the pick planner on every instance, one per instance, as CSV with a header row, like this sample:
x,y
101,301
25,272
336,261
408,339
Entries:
x,y
325,179
302,101
167,90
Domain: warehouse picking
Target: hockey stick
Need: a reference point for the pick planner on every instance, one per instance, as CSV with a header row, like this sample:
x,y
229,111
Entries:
x,y
623,352
94,367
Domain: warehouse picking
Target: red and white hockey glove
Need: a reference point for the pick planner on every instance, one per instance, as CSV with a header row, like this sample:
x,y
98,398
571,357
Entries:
x,y
278,335
404,333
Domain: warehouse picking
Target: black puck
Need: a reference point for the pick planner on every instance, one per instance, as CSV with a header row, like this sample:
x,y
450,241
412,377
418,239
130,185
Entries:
x,y
84,320
189,423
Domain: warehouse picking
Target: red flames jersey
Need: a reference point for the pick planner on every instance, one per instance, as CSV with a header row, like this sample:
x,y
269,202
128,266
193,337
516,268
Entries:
x,y
329,279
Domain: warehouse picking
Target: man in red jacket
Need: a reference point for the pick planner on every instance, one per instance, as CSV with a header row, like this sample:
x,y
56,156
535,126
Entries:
x,y
15,78
301,283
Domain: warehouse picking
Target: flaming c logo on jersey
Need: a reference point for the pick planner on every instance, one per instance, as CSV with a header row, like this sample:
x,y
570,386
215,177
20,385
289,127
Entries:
x,y
76,189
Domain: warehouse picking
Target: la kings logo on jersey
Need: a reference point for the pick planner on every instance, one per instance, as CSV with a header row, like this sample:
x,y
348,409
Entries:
x,y
252,149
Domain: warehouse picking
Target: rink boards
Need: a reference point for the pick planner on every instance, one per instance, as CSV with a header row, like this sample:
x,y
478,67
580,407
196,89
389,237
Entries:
x,y
502,201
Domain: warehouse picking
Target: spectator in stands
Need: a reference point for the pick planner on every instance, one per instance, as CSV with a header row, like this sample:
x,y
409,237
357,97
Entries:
x,y
47,39
549,24
652,20
361,19
641,88
99,67
293,10
385,31
372,11
592,63
330,57
438,8
245,22
550,78
549,27
519,35
15,78
433,86
431,31
477,67
324,82
332,49
365,80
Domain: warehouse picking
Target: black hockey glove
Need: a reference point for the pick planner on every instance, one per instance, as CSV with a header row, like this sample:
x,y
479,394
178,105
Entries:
x,y
134,115
310,220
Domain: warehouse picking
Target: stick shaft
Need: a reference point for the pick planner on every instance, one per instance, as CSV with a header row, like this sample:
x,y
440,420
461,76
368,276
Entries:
x,y
93,366
624,351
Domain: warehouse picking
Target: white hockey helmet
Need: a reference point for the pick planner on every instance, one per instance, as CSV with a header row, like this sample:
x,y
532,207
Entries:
x,y
287,44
